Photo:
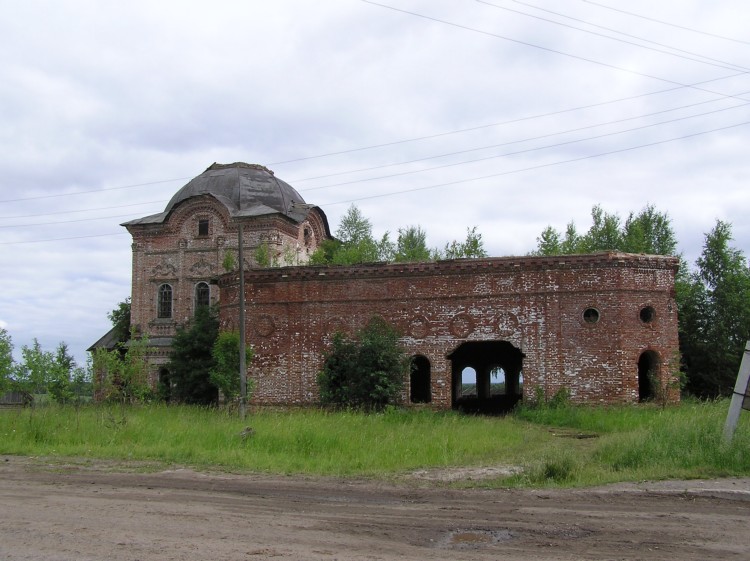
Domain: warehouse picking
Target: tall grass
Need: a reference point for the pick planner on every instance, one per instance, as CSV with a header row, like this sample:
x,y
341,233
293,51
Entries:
x,y
623,443
303,441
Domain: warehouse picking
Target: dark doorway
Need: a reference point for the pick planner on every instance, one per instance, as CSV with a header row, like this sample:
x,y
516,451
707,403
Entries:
x,y
420,380
165,385
648,375
486,376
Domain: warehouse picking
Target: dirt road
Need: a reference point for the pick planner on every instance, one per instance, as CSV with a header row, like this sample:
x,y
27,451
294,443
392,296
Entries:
x,y
81,513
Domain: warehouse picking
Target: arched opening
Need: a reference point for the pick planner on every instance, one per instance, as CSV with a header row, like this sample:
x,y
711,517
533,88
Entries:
x,y
468,382
648,375
202,295
164,301
420,380
486,376
497,381
165,385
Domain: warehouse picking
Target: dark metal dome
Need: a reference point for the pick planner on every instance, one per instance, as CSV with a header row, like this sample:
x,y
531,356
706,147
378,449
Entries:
x,y
245,190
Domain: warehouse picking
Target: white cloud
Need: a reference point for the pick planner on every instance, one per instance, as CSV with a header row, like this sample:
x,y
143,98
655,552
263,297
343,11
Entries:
x,y
98,97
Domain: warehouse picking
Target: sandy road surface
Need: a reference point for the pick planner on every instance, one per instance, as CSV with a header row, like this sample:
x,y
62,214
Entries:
x,y
82,513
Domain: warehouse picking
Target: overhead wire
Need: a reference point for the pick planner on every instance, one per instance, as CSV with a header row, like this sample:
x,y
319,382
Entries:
x,y
540,166
540,47
386,144
708,34
454,164
77,211
528,150
518,141
64,221
471,179
679,86
708,61
64,239
106,189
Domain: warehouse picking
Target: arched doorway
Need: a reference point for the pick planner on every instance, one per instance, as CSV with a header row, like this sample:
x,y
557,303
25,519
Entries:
x,y
165,385
497,376
648,375
420,380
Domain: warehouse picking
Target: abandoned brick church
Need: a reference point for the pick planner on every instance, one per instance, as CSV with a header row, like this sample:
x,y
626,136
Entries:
x,y
482,333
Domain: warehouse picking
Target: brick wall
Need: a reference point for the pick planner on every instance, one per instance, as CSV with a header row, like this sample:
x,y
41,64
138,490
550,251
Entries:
x,y
537,304
175,253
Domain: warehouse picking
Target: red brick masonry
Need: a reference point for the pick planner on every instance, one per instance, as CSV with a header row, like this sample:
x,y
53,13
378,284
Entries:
x,y
582,322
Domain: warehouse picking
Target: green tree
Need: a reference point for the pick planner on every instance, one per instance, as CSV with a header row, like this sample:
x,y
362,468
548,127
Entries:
x,y
60,382
354,243
120,318
365,373
325,252
714,305
604,233
573,242
471,247
7,364
354,228
191,362
264,256
411,245
549,242
122,375
34,371
649,231
357,243
225,374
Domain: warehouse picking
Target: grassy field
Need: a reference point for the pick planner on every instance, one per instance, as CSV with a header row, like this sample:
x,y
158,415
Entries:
x,y
568,446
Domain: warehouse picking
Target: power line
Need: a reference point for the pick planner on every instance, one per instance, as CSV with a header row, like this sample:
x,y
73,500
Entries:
x,y
547,49
411,172
405,141
667,23
93,190
77,211
535,149
502,123
578,129
494,156
459,181
64,239
540,166
709,61
64,221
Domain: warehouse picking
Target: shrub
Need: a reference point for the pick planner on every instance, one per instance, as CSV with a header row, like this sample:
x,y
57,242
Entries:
x,y
225,374
365,373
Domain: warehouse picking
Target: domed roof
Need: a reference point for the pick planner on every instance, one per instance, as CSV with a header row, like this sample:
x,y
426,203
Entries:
x,y
245,190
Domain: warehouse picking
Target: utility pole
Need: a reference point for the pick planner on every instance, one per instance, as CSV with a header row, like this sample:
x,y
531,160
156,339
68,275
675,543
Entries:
x,y
740,397
243,358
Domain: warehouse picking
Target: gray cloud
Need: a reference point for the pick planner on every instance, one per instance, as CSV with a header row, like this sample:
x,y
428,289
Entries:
x,y
106,104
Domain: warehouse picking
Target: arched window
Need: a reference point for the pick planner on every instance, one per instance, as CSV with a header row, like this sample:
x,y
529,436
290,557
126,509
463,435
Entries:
x,y
498,384
164,301
420,380
468,385
202,295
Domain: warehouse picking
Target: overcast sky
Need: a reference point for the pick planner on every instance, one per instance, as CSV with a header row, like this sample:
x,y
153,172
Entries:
x,y
505,115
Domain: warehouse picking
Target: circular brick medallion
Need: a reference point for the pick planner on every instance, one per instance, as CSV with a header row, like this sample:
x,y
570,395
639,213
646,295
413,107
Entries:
x,y
506,323
462,325
419,327
264,325
334,325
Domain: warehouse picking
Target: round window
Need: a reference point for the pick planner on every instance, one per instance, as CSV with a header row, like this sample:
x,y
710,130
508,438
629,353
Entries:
x,y
647,314
591,315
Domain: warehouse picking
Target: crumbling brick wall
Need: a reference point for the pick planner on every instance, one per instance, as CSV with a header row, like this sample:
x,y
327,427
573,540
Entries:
x,y
582,322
